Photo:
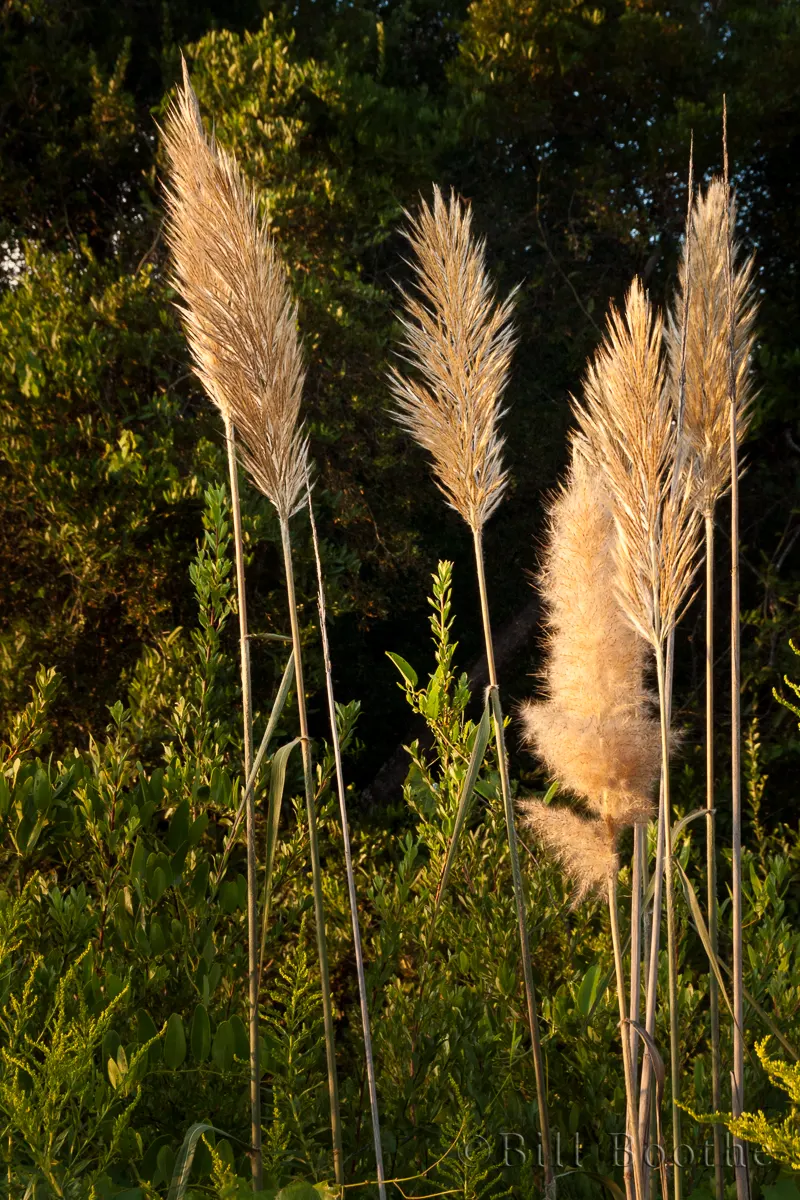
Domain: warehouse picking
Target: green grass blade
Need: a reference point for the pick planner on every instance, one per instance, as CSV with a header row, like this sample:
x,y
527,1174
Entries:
x,y
183,1163
679,826
482,734
702,929
280,760
269,732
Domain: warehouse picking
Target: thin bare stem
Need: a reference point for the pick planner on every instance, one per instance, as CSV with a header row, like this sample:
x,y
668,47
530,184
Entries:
x,y
636,1149
737,1098
651,993
519,894
252,897
672,961
711,863
348,859
639,852
316,870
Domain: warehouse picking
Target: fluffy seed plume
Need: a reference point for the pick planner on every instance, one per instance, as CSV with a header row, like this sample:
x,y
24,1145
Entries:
x,y
627,428
595,731
585,848
237,311
706,421
461,341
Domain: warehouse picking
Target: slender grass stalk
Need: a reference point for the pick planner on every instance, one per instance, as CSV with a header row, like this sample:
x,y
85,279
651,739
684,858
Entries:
x,y
636,1151
516,875
637,917
316,869
741,1169
461,342
252,894
711,867
647,1115
348,859
672,951
710,338
630,433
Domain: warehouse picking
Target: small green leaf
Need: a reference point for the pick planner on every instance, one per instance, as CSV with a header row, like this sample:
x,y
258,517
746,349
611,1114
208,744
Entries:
x,y
229,897
158,942
139,858
405,669
178,832
111,1044
224,1046
588,990
114,1075
198,828
241,1041
158,883
200,1036
174,1043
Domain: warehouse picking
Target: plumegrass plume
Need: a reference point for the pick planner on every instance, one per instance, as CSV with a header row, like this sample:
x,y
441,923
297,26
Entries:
x,y
241,327
595,730
198,180
629,431
460,340
700,320
698,339
236,306
741,1167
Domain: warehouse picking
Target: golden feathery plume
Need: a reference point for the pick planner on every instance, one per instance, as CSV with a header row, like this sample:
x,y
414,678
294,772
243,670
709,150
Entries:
x,y
595,731
586,848
461,341
237,310
628,430
706,420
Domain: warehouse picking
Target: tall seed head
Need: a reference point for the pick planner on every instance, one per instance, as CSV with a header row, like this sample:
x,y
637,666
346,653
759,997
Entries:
x,y
460,340
237,310
595,731
706,422
627,429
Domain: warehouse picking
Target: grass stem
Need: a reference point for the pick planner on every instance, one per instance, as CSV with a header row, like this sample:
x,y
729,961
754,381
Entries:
x,y
348,858
711,865
636,1149
639,853
316,870
737,1098
672,961
252,896
519,894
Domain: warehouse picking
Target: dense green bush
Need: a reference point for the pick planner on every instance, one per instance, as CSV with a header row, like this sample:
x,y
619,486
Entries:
x,y
123,945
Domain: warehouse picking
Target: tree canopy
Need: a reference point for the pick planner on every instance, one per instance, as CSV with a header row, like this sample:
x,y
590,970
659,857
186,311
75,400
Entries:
x,y
566,123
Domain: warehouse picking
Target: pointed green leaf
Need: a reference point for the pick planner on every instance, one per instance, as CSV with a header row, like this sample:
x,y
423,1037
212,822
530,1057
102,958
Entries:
x,y
174,1043
224,1046
587,992
241,1041
200,1035
405,669
280,760
467,787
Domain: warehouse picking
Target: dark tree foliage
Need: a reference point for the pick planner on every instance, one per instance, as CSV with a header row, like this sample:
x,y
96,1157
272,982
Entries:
x,y
566,124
